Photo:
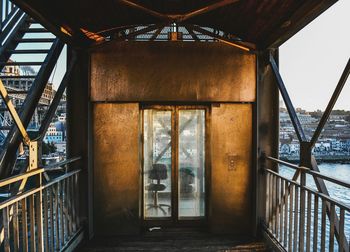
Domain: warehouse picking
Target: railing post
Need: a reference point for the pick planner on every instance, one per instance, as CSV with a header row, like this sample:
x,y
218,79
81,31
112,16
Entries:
x,y
24,225
6,224
302,209
39,213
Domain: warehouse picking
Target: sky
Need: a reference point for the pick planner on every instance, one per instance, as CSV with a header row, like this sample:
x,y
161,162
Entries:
x,y
312,61
60,70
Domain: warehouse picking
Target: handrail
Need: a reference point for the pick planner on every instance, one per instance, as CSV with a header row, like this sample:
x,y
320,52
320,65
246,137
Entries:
x,y
31,173
49,213
296,215
311,172
321,195
21,196
19,177
50,167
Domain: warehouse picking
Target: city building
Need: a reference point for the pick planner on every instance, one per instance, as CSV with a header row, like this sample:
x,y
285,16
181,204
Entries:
x,y
55,133
18,87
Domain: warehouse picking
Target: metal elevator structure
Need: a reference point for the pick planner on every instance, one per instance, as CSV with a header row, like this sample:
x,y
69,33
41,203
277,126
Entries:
x,y
188,87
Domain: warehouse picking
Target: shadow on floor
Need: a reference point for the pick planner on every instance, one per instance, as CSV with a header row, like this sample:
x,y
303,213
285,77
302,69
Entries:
x,y
174,241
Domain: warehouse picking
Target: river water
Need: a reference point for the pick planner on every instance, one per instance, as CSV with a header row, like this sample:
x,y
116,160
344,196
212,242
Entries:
x,y
340,193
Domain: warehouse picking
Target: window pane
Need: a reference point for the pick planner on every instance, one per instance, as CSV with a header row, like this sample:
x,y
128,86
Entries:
x,y
191,172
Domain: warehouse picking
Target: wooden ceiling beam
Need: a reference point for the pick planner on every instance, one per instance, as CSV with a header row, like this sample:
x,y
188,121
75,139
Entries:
x,y
178,17
144,9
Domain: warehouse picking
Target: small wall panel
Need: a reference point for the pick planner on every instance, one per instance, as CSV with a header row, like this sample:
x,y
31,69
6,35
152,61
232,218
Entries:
x,y
231,169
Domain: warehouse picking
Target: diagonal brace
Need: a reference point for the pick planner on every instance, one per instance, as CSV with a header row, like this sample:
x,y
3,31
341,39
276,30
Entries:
x,y
291,111
13,112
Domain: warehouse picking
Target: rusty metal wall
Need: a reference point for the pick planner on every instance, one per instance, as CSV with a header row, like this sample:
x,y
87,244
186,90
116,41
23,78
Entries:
x,y
231,194
174,71
116,168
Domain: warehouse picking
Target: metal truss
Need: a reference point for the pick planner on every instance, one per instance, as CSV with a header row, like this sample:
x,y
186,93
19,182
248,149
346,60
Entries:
x,y
171,27
13,28
175,31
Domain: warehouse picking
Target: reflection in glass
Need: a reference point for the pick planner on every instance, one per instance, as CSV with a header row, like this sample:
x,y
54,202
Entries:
x,y
191,172
157,163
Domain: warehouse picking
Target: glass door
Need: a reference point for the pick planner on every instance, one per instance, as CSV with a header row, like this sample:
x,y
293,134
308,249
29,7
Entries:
x,y
157,163
174,163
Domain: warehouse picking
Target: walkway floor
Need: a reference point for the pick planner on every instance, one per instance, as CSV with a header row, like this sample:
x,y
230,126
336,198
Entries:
x,y
174,241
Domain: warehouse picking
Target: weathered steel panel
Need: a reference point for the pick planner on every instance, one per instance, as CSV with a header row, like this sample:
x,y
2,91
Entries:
x,y
231,169
267,124
172,71
116,168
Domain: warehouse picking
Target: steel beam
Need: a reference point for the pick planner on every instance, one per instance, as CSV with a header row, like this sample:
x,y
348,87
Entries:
x,y
76,37
8,155
144,9
230,42
191,32
206,9
156,33
331,103
1,7
144,30
291,111
178,17
13,113
12,40
5,32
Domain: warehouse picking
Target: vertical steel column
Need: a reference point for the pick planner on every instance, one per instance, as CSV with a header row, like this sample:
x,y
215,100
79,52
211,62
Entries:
x,y
79,140
267,131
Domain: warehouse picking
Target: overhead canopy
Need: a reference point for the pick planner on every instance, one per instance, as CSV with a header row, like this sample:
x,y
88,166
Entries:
x,y
265,23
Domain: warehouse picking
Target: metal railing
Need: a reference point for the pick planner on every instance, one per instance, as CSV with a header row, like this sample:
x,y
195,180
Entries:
x,y
42,216
302,219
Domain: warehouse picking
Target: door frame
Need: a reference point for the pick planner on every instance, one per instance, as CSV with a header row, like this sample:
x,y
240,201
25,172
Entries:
x,y
173,220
